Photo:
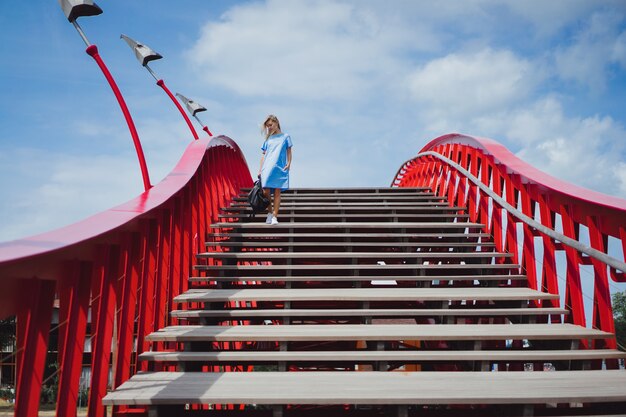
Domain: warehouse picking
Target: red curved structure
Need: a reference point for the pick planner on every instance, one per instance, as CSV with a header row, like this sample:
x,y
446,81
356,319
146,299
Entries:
x,y
554,203
121,267
114,275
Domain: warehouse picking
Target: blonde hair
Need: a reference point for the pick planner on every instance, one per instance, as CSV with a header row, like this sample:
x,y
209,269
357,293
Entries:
x,y
264,128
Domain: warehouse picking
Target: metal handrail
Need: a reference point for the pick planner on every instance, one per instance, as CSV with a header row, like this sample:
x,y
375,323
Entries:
x,y
594,253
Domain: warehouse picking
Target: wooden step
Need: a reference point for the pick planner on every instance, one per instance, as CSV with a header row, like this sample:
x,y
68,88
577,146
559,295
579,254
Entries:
x,y
373,268
352,225
154,388
348,190
379,332
288,198
353,278
348,216
276,255
363,294
355,193
274,234
290,204
240,313
275,243
402,356
438,207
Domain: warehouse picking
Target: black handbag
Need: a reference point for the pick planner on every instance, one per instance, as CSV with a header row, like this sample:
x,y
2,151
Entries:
x,y
257,200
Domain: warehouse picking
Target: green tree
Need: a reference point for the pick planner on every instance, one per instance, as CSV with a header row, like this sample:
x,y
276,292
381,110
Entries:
x,y
619,312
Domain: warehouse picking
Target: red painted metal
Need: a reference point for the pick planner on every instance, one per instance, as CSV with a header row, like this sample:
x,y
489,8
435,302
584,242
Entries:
x,y
92,51
33,328
74,292
134,258
532,192
206,129
161,84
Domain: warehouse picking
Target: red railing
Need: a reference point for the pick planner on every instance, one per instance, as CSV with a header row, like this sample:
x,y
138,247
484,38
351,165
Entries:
x,y
113,275
522,206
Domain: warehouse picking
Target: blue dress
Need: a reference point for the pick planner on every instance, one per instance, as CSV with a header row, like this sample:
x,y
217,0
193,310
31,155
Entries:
x,y
273,172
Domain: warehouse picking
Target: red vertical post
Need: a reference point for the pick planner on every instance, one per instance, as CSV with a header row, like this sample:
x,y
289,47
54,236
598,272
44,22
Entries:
x,y
602,309
529,262
496,213
549,276
103,304
510,244
74,291
483,200
145,319
33,328
573,291
473,169
127,308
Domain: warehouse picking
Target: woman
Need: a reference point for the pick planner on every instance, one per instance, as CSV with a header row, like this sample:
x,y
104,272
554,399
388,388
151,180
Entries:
x,y
275,163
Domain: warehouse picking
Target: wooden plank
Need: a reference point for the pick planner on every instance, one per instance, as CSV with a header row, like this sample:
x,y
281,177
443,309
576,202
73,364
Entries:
x,y
381,190
366,312
290,204
287,198
373,355
363,294
271,243
270,255
351,225
349,216
350,235
341,193
371,388
358,209
349,278
352,332
359,267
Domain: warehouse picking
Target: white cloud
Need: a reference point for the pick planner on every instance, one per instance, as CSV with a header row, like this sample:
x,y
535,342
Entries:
x,y
584,151
469,84
549,17
619,50
316,49
596,46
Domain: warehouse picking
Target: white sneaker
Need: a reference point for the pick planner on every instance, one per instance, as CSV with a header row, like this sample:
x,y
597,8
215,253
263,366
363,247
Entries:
x,y
268,220
274,220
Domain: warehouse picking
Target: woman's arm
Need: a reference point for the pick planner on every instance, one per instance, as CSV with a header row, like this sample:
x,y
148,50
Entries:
x,y
288,159
261,166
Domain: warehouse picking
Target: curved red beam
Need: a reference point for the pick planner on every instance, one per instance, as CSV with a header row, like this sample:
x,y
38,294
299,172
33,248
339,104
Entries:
x,y
92,51
14,255
161,84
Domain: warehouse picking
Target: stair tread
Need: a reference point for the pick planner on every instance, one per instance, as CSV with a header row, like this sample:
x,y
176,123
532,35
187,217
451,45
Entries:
x,y
352,332
373,312
394,355
377,267
370,388
364,197
350,255
352,225
442,206
275,242
336,278
362,294
295,235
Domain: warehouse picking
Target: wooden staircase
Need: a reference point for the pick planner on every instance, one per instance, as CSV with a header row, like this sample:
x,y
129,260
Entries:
x,y
368,302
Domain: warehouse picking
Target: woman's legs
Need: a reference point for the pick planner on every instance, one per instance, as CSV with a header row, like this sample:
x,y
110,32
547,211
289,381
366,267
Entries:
x,y
266,191
276,201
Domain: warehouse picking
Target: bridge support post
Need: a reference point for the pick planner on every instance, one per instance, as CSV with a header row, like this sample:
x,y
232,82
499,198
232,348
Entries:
x,y
33,329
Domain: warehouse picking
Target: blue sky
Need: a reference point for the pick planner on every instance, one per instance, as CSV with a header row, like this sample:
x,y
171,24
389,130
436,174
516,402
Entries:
x,y
360,85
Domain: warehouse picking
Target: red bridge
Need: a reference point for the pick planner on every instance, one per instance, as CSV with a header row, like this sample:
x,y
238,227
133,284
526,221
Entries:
x,y
457,291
